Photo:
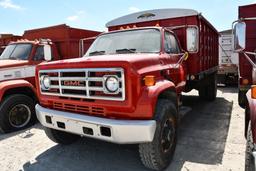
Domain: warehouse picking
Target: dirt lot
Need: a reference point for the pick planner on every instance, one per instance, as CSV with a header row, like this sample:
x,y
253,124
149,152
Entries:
x,y
210,138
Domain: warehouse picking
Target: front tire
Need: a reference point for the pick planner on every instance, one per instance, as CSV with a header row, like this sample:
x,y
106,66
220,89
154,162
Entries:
x,y
61,137
158,154
16,112
249,159
242,98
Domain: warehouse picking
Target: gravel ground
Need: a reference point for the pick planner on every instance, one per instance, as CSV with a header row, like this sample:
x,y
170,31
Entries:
x,y
210,138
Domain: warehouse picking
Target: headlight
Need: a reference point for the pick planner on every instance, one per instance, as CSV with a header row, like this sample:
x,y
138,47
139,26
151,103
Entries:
x,y
45,82
112,84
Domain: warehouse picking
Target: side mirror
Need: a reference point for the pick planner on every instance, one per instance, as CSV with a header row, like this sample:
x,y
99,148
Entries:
x,y
47,53
239,36
192,39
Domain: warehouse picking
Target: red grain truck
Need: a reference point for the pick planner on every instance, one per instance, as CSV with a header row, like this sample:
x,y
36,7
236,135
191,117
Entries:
x,y
245,67
127,87
5,39
17,70
245,45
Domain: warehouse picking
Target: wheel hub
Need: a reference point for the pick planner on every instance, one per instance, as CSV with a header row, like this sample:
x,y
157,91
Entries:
x,y
168,133
19,115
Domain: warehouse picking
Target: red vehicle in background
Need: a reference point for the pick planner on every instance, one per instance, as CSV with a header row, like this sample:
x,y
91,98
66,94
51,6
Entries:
x,y
127,87
247,15
17,70
245,45
5,39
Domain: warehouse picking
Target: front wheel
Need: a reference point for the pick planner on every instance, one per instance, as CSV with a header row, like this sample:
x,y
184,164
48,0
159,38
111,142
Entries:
x,y
158,154
242,98
16,112
249,159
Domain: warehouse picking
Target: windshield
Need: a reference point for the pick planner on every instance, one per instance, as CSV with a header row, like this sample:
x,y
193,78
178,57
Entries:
x,y
132,41
16,52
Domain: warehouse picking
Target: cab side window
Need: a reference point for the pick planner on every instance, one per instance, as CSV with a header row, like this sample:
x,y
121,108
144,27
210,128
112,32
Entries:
x,y
39,55
171,44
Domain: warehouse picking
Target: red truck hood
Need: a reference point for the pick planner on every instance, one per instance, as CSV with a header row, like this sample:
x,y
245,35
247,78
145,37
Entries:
x,y
12,63
136,61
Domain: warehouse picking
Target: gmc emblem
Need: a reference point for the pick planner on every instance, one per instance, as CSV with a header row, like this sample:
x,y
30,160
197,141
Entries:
x,y
73,83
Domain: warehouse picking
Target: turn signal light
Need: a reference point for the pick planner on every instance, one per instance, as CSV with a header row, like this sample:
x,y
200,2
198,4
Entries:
x,y
185,56
149,80
253,92
245,82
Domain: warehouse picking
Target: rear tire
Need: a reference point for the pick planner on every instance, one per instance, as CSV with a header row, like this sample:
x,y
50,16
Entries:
x,y
249,160
158,154
17,112
208,92
61,137
242,98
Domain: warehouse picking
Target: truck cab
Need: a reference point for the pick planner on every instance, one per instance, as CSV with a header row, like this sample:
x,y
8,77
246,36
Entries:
x,y
17,82
126,89
17,70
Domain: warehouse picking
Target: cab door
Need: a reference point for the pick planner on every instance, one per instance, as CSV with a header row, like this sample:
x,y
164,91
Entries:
x,y
37,58
176,71
38,55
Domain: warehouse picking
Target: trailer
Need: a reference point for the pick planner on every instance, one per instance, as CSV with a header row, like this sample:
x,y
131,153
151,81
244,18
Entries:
x,y
67,39
5,39
228,60
17,70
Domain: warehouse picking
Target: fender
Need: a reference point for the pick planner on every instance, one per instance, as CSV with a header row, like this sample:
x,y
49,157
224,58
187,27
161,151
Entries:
x,y
252,114
149,97
7,85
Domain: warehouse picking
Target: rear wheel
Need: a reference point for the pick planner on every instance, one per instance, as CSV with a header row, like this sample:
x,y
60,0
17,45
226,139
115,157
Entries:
x,y
249,159
16,112
242,98
158,154
209,90
61,137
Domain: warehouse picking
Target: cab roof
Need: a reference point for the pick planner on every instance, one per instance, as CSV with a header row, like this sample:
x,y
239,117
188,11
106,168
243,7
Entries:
x,y
152,15
24,42
135,28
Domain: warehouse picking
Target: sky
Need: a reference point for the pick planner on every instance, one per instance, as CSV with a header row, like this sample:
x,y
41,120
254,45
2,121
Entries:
x,y
19,15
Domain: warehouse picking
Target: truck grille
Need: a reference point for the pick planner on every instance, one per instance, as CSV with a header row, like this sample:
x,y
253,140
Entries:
x,y
83,83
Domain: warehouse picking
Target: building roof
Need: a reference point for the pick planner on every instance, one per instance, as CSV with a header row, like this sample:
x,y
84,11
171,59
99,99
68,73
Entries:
x,y
151,15
226,31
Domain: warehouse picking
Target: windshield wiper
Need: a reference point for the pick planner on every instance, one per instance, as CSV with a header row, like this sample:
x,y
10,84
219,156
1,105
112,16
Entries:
x,y
97,53
125,50
14,58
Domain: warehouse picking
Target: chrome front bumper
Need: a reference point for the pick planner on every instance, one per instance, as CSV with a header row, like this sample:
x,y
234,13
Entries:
x,y
112,130
254,156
